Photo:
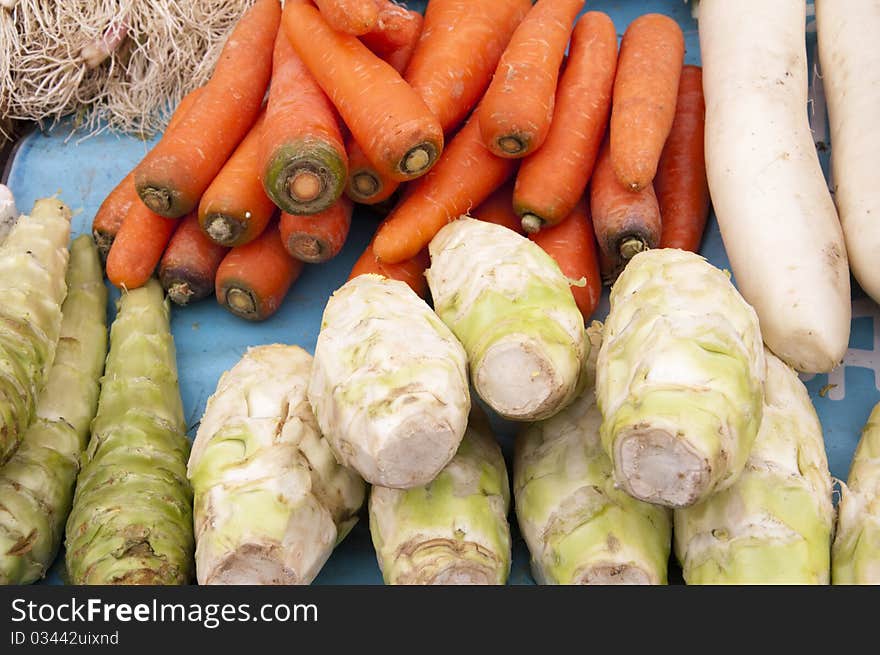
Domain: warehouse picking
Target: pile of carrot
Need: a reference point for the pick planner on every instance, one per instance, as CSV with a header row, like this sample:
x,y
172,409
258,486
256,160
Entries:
x,y
522,114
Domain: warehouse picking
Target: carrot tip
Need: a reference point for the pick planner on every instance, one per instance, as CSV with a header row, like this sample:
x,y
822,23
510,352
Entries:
x,y
632,247
180,293
364,184
157,200
222,229
532,224
419,159
305,185
306,247
241,303
511,145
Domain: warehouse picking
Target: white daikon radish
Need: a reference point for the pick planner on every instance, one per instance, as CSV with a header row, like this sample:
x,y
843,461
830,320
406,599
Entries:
x,y
777,218
849,51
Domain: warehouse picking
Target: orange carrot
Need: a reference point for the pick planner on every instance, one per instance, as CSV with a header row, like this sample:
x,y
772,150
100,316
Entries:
x,y
681,186
464,177
386,117
138,247
516,112
319,238
551,181
645,90
115,207
254,278
460,45
303,162
173,176
396,28
350,16
410,271
190,262
235,208
573,245
498,209
626,222
366,184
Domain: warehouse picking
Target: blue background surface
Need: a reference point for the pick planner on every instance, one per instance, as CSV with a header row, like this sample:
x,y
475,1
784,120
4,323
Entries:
x,y
209,340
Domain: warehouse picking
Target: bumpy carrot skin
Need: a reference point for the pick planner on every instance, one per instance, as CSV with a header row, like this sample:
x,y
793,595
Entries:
x,y
498,209
235,208
459,49
386,117
173,176
573,245
552,180
366,184
303,161
645,92
190,262
410,271
138,247
319,238
115,207
516,112
350,16
681,185
395,28
253,279
466,174
626,222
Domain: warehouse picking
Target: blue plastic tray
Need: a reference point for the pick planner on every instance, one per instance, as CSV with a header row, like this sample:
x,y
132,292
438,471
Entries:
x,y
210,340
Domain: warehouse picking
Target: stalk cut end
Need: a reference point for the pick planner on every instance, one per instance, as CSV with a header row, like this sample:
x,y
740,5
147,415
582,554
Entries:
x,y
364,184
222,229
306,247
532,224
157,200
632,247
511,145
305,185
419,159
180,292
241,302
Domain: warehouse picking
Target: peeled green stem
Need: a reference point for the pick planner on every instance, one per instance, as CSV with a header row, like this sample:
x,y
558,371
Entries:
x,y
679,379
36,485
579,527
855,557
513,311
33,261
389,383
271,502
454,529
132,513
773,525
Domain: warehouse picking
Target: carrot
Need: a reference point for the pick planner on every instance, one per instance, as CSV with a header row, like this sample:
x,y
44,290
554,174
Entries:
x,y
113,210
235,208
303,164
516,112
138,246
319,238
366,184
552,180
573,245
396,27
681,186
173,176
254,278
625,221
350,16
411,271
460,45
464,177
643,102
386,117
498,209
190,262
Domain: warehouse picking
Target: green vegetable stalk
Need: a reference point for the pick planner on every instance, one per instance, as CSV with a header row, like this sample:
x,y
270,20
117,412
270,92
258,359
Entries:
x,y
271,502
33,261
580,528
774,524
389,383
512,308
132,513
855,557
679,379
36,485
454,529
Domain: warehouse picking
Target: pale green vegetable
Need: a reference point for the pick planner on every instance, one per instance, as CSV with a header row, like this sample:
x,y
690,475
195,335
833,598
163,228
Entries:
x,y
389,383
33,260
679,379
8,211
36,485
511,307
855,558
453,530
271,502
581,529
774,524
132,513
